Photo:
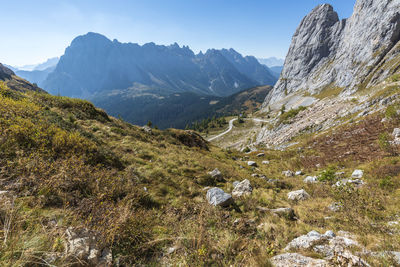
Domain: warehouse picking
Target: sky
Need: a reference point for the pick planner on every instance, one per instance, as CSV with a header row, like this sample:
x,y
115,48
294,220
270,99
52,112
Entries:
x,y
35,30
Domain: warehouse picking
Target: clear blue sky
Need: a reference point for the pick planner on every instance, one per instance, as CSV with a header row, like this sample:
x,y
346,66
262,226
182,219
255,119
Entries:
x,y
34,30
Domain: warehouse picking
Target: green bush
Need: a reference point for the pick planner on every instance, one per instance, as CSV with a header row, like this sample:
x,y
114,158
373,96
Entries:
x,y
328,175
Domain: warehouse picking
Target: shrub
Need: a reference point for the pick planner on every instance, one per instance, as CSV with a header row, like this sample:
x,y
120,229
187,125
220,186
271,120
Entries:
x,y
327,175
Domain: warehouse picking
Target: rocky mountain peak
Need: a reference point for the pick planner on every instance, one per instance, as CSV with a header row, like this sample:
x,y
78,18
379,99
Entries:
x,y
326,51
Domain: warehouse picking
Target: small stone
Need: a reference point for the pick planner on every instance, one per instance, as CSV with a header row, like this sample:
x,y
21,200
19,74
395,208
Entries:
x,y
298,195
288,173
335,207
235,183
252,163
299,173
310,180
265,162
396,133
260,155
217,175
357,174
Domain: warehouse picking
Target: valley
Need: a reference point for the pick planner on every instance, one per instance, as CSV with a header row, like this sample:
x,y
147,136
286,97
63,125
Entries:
x,y
304,172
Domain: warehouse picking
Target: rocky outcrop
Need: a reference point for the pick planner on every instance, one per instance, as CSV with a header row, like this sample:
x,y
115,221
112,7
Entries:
x,y
295,259
328,52
85,246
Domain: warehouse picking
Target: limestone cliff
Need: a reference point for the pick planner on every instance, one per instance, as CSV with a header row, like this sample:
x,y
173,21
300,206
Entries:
x,y
351,54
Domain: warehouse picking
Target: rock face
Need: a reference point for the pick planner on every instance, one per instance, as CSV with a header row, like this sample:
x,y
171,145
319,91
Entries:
x,y
84,245
242,189
217,197
326,51
334,248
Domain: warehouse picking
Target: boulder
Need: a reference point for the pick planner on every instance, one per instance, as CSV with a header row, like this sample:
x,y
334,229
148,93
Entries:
x,y
297,260
217,197
217,175
358,174
298,195
85,245
311,179
242,189
252,163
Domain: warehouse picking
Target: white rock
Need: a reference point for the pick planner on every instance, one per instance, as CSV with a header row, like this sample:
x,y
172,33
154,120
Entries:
x,y
297,260
252,163
242,189
216,174
260,155
265,162
218,197
298,195
396,133
288,173
357,174
311,179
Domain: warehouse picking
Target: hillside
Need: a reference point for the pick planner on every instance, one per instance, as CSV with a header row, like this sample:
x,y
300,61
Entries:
x,y
181,109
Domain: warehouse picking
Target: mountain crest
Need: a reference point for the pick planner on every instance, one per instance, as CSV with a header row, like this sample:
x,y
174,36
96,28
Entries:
x,y
326,51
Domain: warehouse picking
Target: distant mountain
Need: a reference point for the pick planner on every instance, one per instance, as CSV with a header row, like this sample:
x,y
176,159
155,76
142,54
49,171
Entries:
x,y
271,61
51,62
277,70
93,65
35,76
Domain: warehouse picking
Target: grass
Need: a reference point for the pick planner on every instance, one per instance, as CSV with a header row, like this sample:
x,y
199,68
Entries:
x,y
69,164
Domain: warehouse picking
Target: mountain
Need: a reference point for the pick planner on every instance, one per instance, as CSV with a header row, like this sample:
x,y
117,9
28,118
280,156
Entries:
x,y
271,61
93,64
49,63
277,70
349,54
35,76
14,82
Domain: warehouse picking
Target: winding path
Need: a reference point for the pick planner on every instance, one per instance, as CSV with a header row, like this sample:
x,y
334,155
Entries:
x,y
231,126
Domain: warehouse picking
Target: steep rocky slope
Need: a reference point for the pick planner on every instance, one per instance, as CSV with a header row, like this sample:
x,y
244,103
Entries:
x,y
349,54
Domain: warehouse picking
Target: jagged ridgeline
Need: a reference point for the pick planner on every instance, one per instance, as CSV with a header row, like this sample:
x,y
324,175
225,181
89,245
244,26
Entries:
x,y
343,55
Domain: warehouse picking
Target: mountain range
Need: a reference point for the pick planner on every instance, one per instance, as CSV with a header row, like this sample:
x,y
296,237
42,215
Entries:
x,y
148,80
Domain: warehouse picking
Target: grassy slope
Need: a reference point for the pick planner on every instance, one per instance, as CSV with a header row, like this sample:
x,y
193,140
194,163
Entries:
x,y
72,165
